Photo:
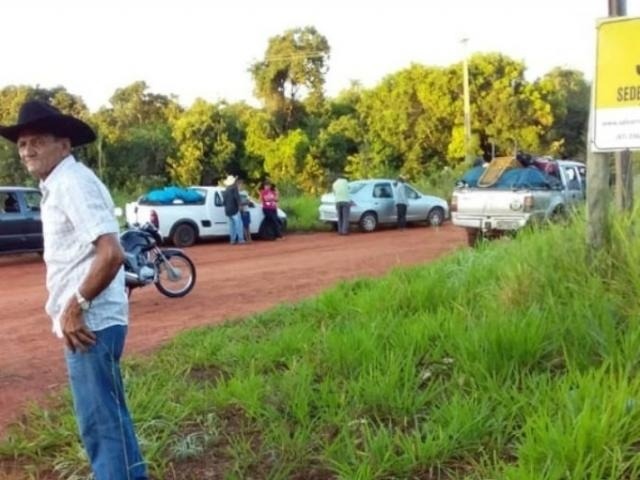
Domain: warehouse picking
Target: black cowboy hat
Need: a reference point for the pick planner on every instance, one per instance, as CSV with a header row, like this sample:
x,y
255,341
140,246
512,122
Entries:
x,y
41,117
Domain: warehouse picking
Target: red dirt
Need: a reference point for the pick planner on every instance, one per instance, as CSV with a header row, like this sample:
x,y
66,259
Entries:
x,y
233,281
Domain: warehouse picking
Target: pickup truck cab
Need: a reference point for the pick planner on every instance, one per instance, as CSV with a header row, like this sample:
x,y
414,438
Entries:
x,y
20,224
185,223
521,196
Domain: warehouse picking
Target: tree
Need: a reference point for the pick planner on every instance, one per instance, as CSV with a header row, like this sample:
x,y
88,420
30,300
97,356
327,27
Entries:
x,y
134,137
408,119
506,110
568,93
294,65
284,160
204,148
12,97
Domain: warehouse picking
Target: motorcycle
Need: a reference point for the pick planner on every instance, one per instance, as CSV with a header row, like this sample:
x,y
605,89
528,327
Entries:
x,y
169,269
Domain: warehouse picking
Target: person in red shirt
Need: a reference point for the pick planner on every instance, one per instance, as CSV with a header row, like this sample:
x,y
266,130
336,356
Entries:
x,y
269,199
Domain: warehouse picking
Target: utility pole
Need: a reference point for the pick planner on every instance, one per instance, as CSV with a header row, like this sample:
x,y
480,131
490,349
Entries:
x,y
623,165
467,104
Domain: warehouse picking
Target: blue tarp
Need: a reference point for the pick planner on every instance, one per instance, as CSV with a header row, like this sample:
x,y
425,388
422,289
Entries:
x,y
167,195
529,177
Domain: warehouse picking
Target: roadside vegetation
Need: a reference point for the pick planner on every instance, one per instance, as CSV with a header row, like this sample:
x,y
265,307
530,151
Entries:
x,y
516,360
411,122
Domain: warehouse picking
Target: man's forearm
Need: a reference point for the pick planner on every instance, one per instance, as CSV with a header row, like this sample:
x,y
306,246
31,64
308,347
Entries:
x,y
104,268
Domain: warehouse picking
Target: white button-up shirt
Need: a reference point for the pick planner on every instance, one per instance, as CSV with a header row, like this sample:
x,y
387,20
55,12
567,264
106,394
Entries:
x,y
76,209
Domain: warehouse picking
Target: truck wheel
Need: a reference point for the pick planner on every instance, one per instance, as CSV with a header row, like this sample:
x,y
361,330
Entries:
x,y
435,218
184,235
368,222
473,236
559,215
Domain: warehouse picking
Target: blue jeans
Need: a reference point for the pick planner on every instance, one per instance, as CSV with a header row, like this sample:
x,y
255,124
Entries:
x,y
103,419
236,231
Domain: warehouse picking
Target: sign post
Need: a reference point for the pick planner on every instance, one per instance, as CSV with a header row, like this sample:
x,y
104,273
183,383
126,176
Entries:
x,y
617,85
614,119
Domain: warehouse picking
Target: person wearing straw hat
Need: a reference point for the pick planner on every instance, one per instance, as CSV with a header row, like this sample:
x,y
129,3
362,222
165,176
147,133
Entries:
x,y
232,202
85,281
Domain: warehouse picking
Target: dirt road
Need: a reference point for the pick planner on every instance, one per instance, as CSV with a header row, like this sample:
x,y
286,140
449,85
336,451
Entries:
x,y
233,281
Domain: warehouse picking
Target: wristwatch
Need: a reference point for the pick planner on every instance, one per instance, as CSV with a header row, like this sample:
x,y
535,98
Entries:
x,y
83,302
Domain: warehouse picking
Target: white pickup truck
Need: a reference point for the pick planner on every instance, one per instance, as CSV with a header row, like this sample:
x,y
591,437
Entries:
x,y
185,223
520,196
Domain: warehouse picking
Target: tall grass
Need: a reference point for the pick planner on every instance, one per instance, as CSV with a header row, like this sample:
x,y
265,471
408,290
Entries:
x,y
302,213
517,360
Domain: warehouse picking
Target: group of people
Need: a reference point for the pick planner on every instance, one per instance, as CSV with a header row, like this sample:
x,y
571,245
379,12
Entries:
x,y
237,210
343,201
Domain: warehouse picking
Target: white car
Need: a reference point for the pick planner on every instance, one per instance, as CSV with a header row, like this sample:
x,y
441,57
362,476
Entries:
x,y
373,203
185,223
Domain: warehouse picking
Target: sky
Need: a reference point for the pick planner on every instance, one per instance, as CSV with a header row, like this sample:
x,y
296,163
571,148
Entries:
x,y
199,48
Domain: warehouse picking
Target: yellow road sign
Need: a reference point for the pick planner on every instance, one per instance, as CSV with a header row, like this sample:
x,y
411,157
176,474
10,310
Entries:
x,y
617,85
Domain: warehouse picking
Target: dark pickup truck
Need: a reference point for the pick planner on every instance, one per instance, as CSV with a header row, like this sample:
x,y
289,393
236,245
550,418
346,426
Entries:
x,y
20,225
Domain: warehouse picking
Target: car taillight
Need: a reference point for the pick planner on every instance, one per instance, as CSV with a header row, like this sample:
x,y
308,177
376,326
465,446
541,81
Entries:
x,y
454,203
528,203
153,218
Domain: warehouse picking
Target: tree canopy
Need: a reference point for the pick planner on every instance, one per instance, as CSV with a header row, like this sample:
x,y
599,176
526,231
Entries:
x,y
410,122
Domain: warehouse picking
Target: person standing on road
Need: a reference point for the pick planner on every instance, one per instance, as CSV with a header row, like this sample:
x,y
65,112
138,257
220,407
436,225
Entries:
x,y
343,203
269,199
85,281
401,202
245,212
232,202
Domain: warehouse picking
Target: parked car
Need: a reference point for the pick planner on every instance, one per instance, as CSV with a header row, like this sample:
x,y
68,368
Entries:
x,y
185,223
519,197
373,204
20,225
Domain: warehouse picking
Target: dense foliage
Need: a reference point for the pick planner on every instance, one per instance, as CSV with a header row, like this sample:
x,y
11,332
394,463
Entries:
x,y
411,122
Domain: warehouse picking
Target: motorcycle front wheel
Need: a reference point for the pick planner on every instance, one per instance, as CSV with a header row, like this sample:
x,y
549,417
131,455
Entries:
x,y
178,278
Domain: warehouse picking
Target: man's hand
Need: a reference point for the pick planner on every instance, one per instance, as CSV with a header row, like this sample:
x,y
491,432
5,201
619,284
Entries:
x,y
76,334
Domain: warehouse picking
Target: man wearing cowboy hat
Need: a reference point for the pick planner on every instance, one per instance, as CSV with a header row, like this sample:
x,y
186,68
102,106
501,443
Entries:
x,y
85,281
232,202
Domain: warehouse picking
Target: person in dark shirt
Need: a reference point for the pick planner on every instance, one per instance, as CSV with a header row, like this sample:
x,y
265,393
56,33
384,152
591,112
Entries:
x,y
232,201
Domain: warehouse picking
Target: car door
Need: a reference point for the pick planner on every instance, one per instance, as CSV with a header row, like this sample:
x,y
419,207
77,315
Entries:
x,y
574,193
542,189
12,235
417,208
383,202
218,217
32,224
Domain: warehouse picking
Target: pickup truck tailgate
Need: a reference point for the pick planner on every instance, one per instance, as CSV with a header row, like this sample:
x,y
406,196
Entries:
x,y
135,213
489,201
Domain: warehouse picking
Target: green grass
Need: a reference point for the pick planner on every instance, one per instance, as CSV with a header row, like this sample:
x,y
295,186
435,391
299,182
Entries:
x,y
302,213
517,360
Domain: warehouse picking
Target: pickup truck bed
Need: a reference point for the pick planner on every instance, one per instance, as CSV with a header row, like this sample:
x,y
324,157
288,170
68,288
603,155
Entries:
x,y
520,197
